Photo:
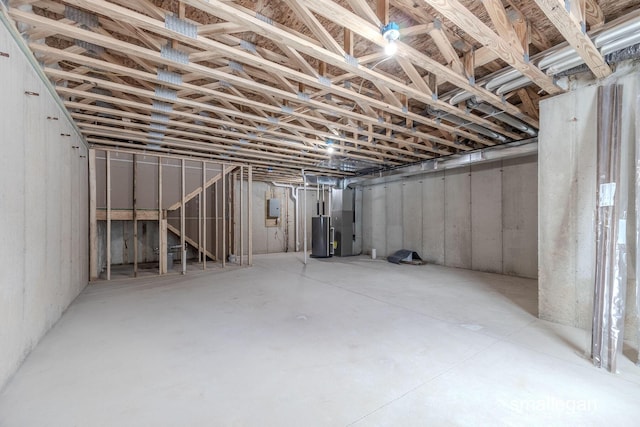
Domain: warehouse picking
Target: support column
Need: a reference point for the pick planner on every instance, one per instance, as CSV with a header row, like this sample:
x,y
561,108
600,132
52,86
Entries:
x,y
250,214
204,215
93,225
182,221
135,217
108,215
224,215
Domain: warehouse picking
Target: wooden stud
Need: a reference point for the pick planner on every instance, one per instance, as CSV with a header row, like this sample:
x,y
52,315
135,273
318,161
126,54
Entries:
x,y
204,214
108,215
93,225
382,11
224,216
217,220
135,216
162,236
241,214
250,214
182,219
348,41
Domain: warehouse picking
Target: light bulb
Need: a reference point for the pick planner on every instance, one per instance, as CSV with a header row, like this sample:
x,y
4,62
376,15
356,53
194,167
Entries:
x,y
330,149
391,48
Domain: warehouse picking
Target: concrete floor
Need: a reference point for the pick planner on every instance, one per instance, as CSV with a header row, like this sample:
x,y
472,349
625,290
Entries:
x,y
345,341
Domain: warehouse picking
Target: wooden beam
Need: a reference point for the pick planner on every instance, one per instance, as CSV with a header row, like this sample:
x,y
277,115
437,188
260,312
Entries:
x,y
223,76
250,214
108,216
162,232
93,226
527,102
134,165
312,23
382,11
445,47
504,26
183,247
224,215
593,14
127,215
361,7
413,74
194,193
348,41
189,240
333,11
204,213
454,11
572,29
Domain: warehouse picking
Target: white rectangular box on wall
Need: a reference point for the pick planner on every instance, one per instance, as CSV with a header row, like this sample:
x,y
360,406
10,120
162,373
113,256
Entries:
x,y
273,208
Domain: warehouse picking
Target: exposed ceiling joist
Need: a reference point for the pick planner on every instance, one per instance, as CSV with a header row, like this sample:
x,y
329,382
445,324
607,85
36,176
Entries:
x,y
571,25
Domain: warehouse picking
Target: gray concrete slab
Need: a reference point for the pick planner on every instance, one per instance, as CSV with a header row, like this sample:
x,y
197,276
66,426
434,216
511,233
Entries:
x,y
341,341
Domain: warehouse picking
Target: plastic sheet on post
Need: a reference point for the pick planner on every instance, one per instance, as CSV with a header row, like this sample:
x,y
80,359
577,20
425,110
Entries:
x,y
611,248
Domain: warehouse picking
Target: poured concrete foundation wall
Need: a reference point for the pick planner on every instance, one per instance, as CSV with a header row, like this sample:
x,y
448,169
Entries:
x,y
482,217
568,165
44,203
269,235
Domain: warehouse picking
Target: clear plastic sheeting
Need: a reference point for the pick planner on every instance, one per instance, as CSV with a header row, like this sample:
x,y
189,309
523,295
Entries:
x,y
611,248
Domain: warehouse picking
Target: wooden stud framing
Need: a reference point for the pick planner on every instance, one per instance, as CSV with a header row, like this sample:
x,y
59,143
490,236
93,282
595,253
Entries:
x,y
241,200
204,214
162,233
135,216
250,214
183,251
108,215
223,237
93,225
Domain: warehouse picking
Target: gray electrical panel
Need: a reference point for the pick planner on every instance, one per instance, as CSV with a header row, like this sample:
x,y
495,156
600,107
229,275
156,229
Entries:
x,y
273,208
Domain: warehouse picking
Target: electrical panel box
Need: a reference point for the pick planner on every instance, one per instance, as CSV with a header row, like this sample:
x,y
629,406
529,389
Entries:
x,y
273,208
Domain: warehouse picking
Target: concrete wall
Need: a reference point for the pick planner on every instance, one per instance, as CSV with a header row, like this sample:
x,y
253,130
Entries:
x,y
482,217
568,177
269,236
44,205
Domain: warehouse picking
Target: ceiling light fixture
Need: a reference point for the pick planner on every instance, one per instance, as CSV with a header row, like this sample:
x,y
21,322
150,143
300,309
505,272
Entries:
x,y
330,148
391,33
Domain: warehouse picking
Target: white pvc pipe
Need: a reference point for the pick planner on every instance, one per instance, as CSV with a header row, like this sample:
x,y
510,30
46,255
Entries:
x,y
304,180
296,220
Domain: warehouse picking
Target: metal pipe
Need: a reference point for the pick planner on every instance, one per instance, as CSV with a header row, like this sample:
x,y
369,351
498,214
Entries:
x,y
304,180
294,196
615,33
460,97
513,85
502,79
503,117
556,56
484,131
621,44
499,152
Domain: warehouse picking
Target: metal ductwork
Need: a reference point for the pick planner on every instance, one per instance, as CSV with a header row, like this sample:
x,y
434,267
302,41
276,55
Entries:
x,y
614,44
489,154
472,126
503,117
